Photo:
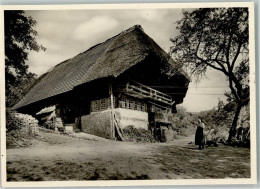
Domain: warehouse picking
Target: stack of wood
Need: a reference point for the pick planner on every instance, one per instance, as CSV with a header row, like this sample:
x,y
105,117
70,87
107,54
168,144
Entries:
x,y
28,124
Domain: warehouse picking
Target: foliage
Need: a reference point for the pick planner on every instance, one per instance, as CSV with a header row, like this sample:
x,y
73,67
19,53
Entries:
x,y
184,123
216,38
19,40
17,90
219,119
13,128
217,122
12,123
20,129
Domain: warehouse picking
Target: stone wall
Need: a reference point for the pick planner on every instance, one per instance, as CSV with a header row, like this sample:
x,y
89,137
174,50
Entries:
x,y
127,117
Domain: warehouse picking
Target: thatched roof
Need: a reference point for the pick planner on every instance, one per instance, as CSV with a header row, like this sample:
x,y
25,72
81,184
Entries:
x,y
108,59
46,110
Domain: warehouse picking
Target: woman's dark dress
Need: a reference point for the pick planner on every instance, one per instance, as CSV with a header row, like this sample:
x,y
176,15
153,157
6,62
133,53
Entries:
x,y
199,136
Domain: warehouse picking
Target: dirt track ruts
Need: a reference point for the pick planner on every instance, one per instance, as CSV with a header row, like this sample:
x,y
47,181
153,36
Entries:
x,y
57,157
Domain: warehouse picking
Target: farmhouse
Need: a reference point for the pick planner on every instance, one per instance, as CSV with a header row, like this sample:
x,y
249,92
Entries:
x,y
126,80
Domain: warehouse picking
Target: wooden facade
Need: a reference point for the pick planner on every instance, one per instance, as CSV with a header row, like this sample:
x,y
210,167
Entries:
x,y
127,80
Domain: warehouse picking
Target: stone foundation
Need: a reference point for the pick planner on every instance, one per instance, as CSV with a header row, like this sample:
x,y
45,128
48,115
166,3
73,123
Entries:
x,y
99,123
127,117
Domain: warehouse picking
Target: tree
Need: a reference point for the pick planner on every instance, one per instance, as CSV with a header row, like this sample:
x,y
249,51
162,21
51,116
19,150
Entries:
x,y
19,40
216,38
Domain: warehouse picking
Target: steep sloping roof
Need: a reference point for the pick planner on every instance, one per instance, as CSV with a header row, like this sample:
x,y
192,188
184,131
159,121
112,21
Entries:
x,y
107,59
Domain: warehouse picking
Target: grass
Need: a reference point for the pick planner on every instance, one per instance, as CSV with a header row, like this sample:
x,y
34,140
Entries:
x,y
212,162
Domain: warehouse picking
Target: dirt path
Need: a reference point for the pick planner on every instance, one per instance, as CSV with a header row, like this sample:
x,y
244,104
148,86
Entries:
x,y
183,141
57,157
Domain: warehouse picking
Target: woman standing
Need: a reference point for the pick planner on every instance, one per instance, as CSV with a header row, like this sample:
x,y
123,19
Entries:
x,y
199,136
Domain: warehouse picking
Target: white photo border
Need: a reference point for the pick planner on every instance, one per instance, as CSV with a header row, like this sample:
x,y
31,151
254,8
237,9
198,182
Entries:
x,y
253,149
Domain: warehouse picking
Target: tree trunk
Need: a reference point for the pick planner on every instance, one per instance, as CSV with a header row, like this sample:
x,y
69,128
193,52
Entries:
x,y
232,131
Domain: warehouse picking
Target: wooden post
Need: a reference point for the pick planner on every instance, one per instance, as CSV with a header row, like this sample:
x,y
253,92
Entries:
x,y
112,110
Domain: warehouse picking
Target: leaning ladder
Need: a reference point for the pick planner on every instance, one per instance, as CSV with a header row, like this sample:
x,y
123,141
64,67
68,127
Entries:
x,y
118,128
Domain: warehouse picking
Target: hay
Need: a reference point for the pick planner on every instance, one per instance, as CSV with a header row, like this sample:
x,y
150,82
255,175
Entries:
x,y
133,134
98,124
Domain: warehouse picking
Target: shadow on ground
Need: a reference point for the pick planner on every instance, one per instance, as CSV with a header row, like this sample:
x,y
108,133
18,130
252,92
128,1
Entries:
x,y
57,157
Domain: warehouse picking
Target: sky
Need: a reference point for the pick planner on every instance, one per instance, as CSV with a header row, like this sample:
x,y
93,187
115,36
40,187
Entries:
x,y
66,33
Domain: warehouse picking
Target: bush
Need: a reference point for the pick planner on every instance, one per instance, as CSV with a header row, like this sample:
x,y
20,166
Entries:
x,y
168,134
187,131
12,122
20,129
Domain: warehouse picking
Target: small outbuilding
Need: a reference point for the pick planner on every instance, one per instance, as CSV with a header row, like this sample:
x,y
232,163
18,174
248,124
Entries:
x,y
126,80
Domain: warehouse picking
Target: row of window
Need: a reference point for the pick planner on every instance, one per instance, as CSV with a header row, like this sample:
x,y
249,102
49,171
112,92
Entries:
x,y
132,104
101,104
105,103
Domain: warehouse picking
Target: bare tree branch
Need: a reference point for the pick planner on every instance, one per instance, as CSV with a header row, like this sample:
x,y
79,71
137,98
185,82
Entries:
x,y
228,51
236,55
210,65
202,60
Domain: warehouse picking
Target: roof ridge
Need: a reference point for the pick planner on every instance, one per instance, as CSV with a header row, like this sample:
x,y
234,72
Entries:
x,y
132,28
108,47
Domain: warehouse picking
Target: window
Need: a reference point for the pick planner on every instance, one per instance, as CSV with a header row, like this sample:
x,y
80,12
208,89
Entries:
x,y
137,105
103,104
142,107
123,103
152,108
131,104
95,105
109,102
